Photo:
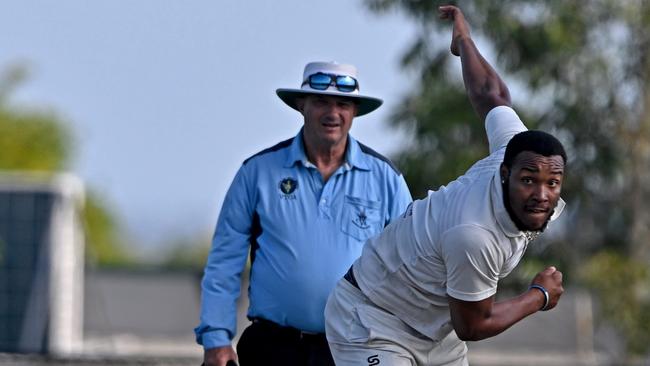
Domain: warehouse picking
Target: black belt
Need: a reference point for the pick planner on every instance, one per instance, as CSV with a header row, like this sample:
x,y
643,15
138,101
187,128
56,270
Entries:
x,y
289,332
349,275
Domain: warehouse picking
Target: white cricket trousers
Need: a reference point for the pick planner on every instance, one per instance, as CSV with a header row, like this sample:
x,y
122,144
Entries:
x,y
362,334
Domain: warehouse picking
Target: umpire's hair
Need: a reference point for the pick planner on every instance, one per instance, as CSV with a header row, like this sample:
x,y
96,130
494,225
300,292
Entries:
x,y
539,142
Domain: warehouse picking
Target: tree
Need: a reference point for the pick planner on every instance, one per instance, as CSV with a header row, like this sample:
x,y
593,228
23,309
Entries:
x,y
581,71
39,140
103,238
30,139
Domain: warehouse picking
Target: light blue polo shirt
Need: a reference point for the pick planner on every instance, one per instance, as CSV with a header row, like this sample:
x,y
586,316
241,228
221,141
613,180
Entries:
x,y
304,235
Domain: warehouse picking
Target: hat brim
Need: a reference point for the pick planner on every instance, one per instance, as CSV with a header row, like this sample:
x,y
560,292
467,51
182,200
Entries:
x,y
365,104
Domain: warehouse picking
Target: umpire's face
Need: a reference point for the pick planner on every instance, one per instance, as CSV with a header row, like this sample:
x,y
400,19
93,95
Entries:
x,y
327,118
534,183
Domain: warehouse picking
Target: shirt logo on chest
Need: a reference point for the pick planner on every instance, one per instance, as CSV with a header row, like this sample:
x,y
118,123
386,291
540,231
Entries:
x,y
360,220
287,187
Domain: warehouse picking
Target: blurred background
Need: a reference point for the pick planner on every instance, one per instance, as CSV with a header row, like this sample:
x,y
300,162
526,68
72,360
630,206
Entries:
x,y
123,123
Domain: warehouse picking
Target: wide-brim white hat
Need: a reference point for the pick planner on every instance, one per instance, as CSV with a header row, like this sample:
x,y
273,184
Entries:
x,y
365,104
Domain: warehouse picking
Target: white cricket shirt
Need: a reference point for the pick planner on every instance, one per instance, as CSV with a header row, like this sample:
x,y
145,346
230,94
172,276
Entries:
x,y
459,240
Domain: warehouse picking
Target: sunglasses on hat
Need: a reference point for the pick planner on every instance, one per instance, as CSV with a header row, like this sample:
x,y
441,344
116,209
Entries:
x,y
322,81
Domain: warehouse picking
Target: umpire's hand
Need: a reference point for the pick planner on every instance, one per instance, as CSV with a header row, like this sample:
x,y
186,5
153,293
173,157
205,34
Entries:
x,y
220,356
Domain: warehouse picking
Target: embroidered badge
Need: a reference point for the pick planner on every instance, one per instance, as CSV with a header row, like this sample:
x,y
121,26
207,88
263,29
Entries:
x,y
287,187
361,219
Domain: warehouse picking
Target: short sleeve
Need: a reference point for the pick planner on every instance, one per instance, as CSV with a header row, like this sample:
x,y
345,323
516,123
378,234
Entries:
x,y
473,260
501,123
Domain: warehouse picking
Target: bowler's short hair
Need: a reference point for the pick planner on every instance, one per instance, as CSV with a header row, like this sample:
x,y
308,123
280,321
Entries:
x,y
538,142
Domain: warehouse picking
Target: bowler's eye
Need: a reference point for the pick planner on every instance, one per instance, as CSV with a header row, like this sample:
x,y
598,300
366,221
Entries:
x,y
554,183
527,180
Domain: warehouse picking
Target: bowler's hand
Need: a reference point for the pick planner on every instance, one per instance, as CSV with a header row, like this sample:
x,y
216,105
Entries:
x,y
219,356
461,28
551,280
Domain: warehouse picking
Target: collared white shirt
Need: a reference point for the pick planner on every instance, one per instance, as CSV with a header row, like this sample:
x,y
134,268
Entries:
x,y
458,241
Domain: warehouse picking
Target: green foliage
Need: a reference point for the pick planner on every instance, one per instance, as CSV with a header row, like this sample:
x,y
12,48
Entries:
x,y
577,69
30,139
103,242
624,293
37,140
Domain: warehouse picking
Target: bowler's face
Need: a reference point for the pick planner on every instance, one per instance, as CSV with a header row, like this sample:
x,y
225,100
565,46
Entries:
x,y
328,119
534,187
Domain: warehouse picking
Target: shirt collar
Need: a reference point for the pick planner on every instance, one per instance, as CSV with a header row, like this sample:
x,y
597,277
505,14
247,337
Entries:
x,y
296,152
354,157
503,217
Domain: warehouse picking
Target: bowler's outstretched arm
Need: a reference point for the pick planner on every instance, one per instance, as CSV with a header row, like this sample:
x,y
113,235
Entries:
x,y
476,320
484,87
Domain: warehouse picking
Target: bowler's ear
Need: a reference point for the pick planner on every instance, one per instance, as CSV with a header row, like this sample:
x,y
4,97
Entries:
x,y
504,172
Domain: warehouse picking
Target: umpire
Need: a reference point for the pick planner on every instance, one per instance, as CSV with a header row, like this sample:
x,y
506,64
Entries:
x,y
304,208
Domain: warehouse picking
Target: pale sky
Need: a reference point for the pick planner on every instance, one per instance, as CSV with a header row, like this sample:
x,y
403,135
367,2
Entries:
x,y
167,98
